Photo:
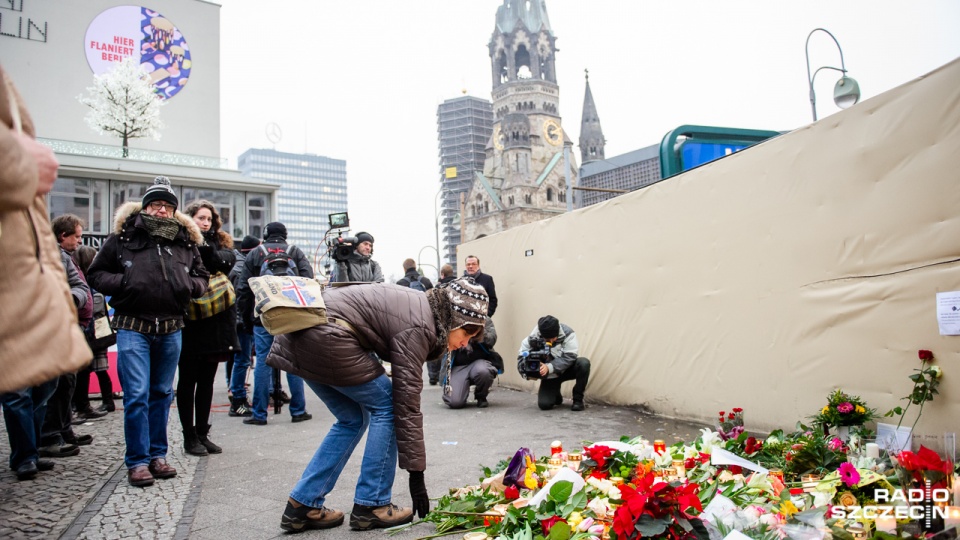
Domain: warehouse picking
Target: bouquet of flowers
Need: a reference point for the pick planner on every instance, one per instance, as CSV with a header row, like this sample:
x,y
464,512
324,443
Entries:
x,y
653,509
843,410
914,469
730,424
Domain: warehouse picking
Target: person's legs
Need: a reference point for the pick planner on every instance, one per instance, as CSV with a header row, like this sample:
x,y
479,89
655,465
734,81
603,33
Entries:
x,y
323,470
548,393
81,394
433,371
133,368
164,355
106,391
241,363
186,388
262,374
459,385
18,419
56,423
482,374
581,372
206,374
379,465
298,403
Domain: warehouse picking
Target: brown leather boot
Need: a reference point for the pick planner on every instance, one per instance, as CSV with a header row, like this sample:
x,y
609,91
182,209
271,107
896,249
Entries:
x,y
140,476
160,469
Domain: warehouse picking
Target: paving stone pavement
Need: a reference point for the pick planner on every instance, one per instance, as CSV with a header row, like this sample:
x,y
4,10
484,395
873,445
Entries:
x,y
242,492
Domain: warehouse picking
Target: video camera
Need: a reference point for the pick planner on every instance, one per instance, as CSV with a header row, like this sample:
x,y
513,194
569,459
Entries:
x,y
340,247
528,364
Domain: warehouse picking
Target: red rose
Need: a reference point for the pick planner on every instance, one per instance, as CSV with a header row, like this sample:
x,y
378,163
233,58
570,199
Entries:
x,y
550,522
735,469
689,463
925,355
511,493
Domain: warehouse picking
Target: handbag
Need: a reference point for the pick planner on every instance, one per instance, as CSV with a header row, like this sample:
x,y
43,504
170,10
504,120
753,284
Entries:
x,y
288,303
218,298
100,333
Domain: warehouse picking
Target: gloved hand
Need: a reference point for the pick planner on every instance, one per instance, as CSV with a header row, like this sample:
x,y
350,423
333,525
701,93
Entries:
x,y
418,491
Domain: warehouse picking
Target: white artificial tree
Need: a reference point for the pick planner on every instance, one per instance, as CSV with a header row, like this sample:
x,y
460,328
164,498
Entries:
x,y
123,102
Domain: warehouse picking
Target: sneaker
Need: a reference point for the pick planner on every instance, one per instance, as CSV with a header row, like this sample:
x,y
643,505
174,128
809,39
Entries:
x,y
301,417
482,404
578,406
298,517
254,422
363,518
240,407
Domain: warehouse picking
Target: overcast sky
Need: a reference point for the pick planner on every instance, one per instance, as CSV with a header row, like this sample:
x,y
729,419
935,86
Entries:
x,y
361,80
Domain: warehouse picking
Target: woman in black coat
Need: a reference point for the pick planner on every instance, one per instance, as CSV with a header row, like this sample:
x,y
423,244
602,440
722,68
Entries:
x,y
206,342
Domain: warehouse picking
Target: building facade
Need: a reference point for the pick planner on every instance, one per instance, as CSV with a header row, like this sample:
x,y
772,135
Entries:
x,y
464,126
528,159
626,172
311,188
53,48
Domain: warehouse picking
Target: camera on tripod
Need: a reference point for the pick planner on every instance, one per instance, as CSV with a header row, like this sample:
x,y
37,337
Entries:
x,y
529,362
340,247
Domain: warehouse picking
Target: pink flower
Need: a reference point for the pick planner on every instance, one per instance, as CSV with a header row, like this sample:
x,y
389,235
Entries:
x,y
835,444
845,408
849,474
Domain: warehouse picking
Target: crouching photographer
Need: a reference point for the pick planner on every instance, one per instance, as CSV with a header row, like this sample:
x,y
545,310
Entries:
x,y
549,354
476,364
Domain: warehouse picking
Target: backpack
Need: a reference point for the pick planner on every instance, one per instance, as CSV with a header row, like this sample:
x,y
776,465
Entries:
x,y
417,285
277,262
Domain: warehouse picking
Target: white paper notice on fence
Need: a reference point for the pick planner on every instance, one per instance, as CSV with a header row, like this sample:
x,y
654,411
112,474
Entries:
x,y
948,313
722,457
893,439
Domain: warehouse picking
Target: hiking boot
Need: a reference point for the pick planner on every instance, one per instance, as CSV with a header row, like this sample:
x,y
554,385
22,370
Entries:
x,y
159,468
240,407
191,443
140,476
363,518
298,517
301,417
578,405
203,433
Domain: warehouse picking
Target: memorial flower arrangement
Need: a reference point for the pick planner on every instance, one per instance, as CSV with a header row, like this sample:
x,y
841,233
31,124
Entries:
x,y
843,409
730,424
915,468
657,509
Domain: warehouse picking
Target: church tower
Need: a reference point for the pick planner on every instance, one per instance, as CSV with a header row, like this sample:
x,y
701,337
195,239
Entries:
x,y
525,174
591,134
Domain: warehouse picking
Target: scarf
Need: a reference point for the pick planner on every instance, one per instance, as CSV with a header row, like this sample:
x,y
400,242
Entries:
x,y
161,227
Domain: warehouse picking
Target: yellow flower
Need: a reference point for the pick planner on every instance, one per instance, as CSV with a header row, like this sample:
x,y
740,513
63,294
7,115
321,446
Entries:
x,y
574,520
825,410
528,479
787,508
847,499
860,409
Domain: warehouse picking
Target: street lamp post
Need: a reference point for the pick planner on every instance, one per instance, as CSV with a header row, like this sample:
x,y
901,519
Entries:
x,y
846,92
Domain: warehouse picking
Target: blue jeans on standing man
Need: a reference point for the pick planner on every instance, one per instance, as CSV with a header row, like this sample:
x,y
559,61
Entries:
x,y
263,379
356,408
146,365
23,414
241,363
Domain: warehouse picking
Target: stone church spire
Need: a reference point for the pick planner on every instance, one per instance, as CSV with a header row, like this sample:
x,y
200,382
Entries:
x,y
591,134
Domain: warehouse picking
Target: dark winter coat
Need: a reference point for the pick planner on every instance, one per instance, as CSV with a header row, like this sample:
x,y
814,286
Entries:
x,y
147,277
214,338
486,281
251,268
411,276
396,323
358,268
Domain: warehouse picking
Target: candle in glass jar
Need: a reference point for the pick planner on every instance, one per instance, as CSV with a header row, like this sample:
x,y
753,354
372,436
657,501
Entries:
x,y
873,450
809,482
556,447
887,524
952,517
659,446
776,473
681,471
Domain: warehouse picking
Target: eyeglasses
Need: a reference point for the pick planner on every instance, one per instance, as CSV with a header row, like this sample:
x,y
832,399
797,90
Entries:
x,y
157,205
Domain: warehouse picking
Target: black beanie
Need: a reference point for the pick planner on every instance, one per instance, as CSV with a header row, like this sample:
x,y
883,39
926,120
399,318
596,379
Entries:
x,y
276,229
161,190
249,242
364,237
549,327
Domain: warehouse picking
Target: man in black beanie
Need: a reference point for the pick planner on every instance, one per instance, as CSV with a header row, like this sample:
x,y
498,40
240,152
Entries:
x,y
278,258
359,265
565,364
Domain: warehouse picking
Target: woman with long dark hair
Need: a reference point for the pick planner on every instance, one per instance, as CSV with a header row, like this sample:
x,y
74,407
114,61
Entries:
x,y
206,342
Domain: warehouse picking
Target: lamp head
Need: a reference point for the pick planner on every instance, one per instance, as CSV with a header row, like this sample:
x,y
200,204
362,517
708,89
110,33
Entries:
x,y
846,92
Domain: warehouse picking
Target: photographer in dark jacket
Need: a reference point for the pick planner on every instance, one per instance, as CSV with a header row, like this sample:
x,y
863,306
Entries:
x,y
359,266
208,341
565,365
274,243
151,268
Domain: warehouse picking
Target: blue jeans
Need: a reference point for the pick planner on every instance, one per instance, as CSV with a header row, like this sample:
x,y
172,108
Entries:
x,y
263,379
241,363
146,364
356,408
23,413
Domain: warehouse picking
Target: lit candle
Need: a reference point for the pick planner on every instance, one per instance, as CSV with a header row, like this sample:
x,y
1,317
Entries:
x,y
659,446
681,470
952,518
887,524
809,482
556,447
873,450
